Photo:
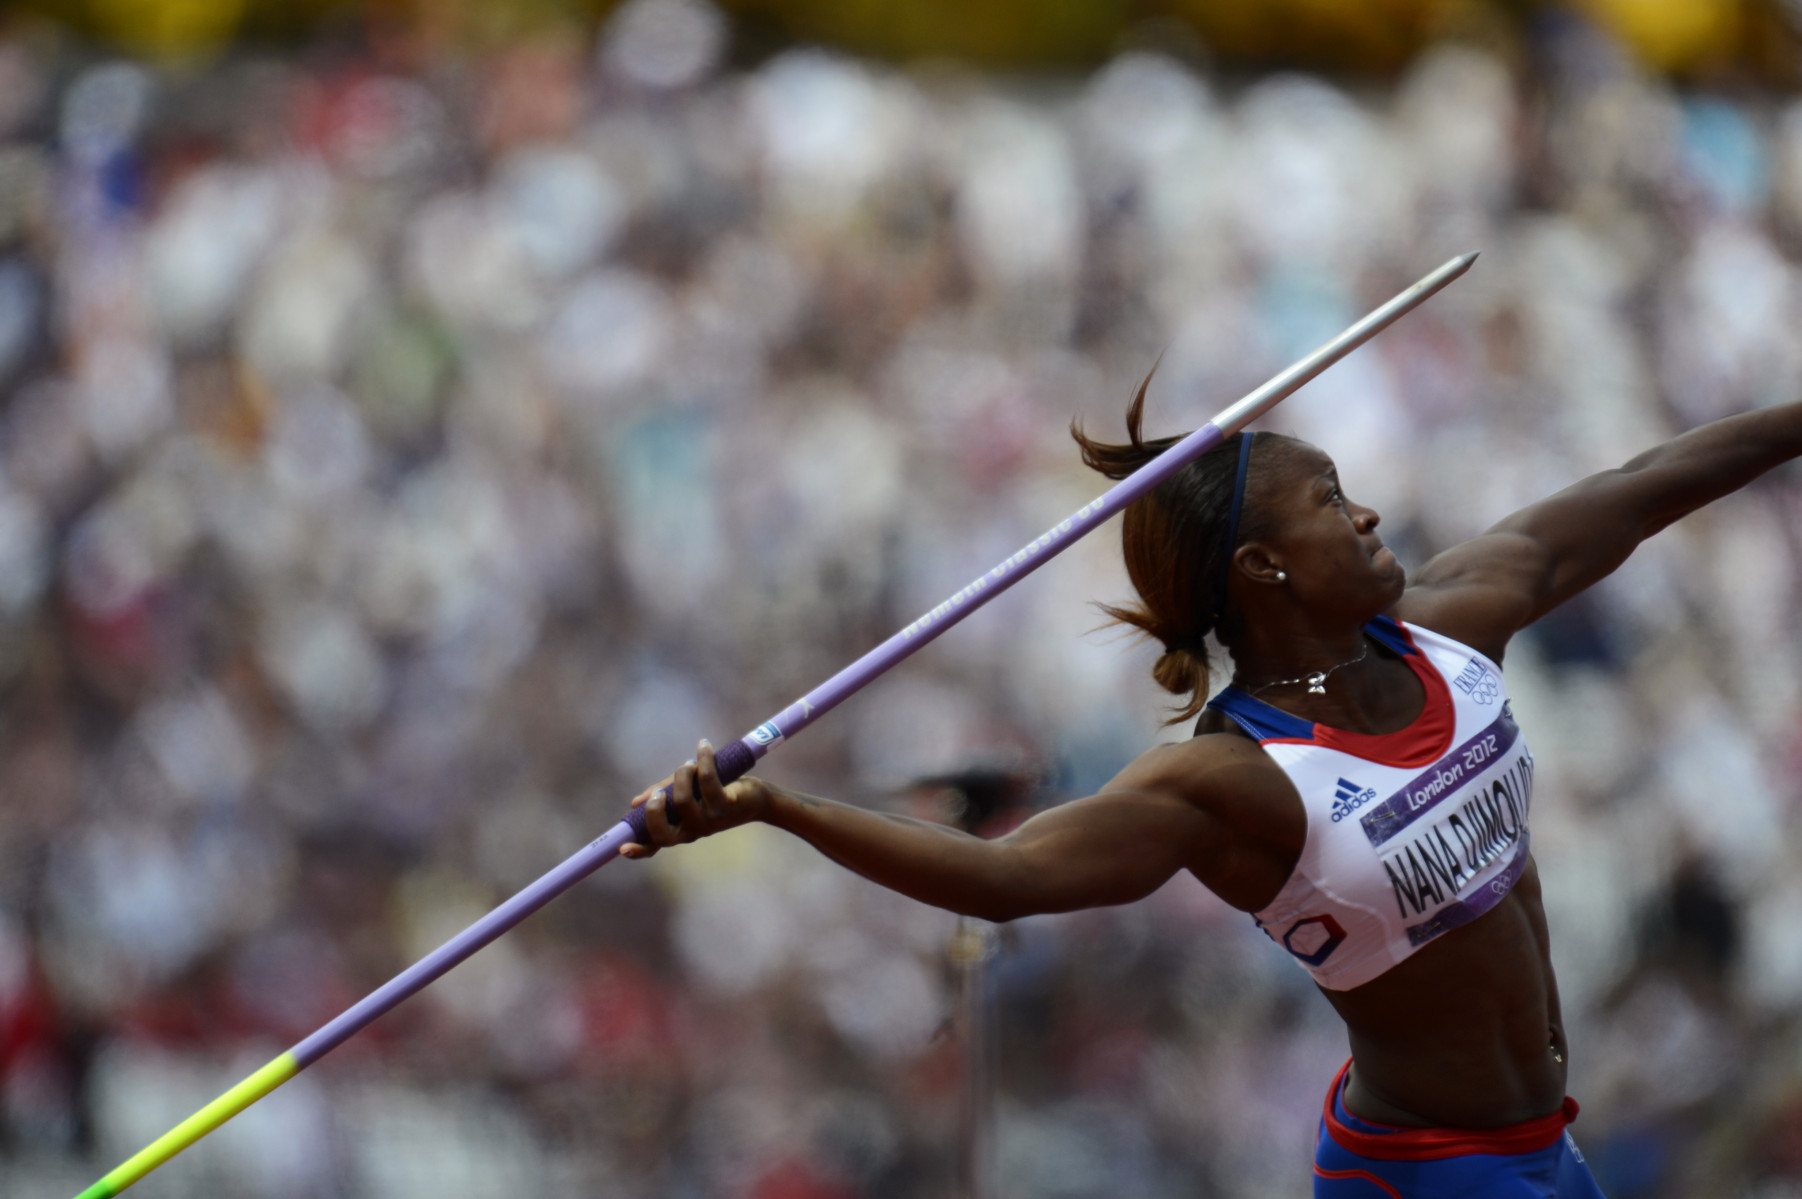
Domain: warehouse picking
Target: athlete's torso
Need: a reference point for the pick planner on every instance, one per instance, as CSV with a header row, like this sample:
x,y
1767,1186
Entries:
x,y
1409,834
1465,1030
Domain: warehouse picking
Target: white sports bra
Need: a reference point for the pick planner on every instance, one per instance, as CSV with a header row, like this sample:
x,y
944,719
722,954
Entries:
x,y
1410,834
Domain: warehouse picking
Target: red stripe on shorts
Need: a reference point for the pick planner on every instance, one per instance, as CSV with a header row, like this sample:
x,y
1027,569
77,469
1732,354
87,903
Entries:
x,y
1430,1144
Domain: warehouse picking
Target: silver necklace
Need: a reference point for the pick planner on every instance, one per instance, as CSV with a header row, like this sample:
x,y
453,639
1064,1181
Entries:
x,y
1316,681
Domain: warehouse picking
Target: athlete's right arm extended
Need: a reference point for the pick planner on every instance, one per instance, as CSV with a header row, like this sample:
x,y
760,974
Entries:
x,y
1113,847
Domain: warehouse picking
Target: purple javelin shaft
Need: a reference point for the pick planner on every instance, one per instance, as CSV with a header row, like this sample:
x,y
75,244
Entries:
x,y
736,758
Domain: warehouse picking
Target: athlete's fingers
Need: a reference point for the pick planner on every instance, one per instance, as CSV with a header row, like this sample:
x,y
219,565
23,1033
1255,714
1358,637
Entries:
x,y
690,821
660,793
707,784
663,819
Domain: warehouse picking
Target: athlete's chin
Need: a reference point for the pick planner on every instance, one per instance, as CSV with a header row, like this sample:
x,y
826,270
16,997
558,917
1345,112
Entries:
x,y
1397,570
1394,575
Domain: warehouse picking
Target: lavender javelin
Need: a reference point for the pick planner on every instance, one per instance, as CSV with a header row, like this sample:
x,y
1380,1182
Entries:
x,y
737,757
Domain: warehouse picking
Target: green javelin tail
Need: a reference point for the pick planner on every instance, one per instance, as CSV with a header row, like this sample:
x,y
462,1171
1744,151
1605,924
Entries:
x,y
196,1126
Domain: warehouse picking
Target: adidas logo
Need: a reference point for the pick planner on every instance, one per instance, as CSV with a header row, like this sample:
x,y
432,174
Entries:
x,y
1348,797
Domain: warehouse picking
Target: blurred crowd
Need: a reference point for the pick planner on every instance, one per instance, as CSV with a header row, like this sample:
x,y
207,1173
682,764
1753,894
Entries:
x,y
404,459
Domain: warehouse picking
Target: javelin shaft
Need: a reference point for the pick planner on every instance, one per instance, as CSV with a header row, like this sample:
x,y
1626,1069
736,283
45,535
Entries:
x,y
737,757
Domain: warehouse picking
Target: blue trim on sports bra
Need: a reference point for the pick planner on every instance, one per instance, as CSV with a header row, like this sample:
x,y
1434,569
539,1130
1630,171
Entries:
x,y
1385,630
1261,720
1266,722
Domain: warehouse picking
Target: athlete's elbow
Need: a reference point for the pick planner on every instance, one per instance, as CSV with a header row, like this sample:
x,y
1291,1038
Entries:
x,y
996,909
1012,889
1005,900
1001,908
1052,896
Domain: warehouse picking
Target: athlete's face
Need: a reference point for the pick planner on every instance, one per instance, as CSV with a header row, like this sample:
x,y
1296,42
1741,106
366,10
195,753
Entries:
x,y
1324,541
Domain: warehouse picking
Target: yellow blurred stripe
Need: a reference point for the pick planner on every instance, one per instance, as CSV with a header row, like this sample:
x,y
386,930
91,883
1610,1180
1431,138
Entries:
x,y
1672,35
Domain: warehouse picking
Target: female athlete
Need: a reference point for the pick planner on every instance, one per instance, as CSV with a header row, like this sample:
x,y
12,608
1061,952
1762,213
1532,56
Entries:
x,y
1360,788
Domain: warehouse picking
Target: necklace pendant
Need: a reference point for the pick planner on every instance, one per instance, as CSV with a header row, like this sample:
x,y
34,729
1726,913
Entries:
x,y
1317,683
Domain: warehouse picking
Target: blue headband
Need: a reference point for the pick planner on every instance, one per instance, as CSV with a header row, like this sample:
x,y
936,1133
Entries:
x,y
1232,531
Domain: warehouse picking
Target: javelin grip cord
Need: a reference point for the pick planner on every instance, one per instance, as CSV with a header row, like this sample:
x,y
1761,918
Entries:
x,y
735,758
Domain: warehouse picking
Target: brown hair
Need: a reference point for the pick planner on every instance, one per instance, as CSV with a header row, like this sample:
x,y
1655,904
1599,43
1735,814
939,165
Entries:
x,y
1173,539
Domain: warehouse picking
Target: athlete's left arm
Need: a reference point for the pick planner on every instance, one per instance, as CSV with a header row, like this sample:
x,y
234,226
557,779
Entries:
x,y
1485,590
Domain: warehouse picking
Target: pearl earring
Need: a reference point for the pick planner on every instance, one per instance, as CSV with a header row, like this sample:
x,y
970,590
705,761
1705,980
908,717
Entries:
x,y
1282,576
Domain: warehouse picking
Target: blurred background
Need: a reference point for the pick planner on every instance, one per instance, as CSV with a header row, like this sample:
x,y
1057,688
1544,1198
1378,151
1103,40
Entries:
x,y
422,422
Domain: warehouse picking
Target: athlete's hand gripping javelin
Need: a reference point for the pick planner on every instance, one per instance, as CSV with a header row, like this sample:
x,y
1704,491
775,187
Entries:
x,y
699,804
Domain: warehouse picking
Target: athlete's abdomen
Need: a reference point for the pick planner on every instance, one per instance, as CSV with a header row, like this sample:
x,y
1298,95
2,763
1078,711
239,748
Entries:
x,y
1462,1034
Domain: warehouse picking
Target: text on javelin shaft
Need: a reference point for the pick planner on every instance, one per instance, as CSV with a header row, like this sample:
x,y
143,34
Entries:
x,y
1008,565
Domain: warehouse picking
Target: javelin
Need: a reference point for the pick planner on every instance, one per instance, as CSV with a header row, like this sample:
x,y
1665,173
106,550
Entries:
x,y
735,758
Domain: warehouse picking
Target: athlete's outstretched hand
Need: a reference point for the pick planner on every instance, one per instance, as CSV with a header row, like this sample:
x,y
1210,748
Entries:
x,y
700,805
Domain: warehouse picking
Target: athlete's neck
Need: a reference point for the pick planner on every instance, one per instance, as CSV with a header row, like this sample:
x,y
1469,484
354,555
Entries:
x,y
1373,694
1263,656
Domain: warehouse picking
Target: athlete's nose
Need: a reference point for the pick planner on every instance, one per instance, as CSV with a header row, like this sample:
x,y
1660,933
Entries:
x,y
1365,519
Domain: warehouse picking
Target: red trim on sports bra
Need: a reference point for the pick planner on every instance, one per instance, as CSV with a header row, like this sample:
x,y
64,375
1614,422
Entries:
x,y
1430,1144
1421,743
1360,1175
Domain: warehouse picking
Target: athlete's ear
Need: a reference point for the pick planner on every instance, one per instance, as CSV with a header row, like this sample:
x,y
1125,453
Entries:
x,y
1259,564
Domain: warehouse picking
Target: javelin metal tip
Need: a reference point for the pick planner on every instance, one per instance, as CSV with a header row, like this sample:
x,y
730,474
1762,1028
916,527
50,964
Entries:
x,y
1465,260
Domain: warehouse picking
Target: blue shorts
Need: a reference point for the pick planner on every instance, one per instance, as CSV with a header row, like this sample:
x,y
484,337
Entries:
x,y
1356,1159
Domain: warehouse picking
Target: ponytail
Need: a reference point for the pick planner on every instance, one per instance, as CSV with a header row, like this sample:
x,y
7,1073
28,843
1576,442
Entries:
x,y
1174,543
